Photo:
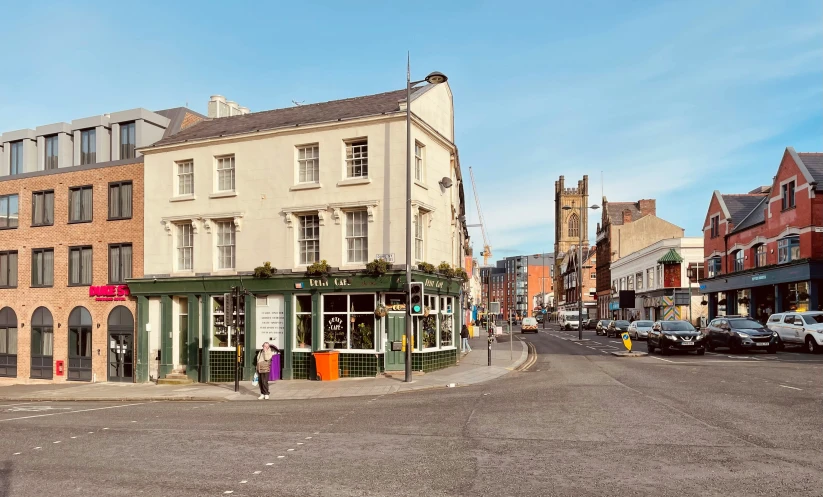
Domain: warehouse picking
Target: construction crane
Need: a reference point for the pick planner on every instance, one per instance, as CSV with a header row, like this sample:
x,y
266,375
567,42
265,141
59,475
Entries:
x,y
487,249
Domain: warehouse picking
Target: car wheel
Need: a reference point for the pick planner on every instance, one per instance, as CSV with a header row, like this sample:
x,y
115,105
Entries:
x,y
650,348
772,350
635,335
811,346
701,352
664,350
780,344
735,348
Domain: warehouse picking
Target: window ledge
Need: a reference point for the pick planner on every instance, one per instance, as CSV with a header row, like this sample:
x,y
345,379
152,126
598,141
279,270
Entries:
x,y
793,207
182,273
79,222
183,198
224,272
305,186
11,228
223,194
39,225
354,181
421,185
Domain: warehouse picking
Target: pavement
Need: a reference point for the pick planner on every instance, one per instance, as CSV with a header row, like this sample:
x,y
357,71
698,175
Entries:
x,y
473,368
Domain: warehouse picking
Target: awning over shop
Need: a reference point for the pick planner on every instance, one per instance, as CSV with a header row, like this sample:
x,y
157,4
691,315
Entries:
x,y
670,257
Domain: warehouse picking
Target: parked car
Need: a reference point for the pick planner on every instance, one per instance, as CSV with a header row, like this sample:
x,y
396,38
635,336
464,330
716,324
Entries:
x,y
602,326
675,335
528,324
617,327
540,317
740,333
640,329
798,328
590,324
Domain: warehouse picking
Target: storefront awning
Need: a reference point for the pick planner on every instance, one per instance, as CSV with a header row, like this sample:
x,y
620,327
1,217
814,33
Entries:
x,y
670,257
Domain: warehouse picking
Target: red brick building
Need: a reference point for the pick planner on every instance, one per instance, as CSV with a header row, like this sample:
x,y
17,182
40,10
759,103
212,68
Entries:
x,y
589,282
764,249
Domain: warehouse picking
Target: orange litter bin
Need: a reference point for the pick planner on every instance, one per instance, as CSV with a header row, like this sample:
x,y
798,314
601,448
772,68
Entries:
x,y
326,362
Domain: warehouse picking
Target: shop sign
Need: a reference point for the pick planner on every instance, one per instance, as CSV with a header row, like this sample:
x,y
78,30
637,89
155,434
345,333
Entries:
x,y
397,307
330,282
386,257
109,293
270,321
434,284
759,277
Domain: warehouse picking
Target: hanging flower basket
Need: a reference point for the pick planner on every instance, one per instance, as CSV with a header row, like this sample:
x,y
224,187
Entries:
x,y
381,311
721,302
704,303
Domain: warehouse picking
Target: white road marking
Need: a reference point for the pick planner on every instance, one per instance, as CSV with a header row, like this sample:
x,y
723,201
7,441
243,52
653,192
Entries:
x,y
72,412
228,492
299,443
73,437
269,464
793,388
289,450
257,472
280,457
308,438
36,448
105,428
244,481
17,453
57,442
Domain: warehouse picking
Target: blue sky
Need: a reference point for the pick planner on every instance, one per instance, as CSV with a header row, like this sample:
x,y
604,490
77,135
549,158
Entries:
x,y
670,100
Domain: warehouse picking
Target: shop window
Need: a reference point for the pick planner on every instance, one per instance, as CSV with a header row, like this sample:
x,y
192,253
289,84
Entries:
x,y
349,321
760,255
788,249
738,260
797,297
446,325
427,325
303,328
639,279
222,333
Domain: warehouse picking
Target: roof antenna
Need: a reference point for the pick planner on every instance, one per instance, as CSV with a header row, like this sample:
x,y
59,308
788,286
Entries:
x,y
295,102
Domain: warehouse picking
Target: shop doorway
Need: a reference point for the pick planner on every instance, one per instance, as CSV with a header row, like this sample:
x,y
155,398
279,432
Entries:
x,y
121,345
395,330
79,345
8,342
42,344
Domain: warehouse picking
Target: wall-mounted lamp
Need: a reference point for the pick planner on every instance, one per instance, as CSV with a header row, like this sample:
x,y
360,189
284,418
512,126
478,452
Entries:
x,y
98,325
22,325
58,325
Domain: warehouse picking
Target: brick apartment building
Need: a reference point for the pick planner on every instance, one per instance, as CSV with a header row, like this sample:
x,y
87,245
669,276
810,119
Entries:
x,y
589,277
764,249
71,235
625,227
540,283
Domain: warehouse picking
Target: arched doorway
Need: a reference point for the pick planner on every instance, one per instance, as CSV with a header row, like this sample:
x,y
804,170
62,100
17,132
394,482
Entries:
x,y
79,345
121,345
8,342
42,344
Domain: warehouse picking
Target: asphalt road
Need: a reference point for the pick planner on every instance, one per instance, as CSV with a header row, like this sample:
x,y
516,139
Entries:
x,y
579,422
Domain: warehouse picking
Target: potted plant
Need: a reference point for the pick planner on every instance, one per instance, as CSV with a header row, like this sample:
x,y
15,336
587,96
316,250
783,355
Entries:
x,y
803,296
265,271
381,311
461,274
319,268
301,334
446,269
426,267
377,267
366,336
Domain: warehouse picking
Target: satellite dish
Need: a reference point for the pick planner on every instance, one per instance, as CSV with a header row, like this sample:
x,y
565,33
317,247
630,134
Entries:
x,y
446,182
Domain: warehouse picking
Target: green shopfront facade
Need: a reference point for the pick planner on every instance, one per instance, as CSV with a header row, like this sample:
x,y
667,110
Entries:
x,y
181,323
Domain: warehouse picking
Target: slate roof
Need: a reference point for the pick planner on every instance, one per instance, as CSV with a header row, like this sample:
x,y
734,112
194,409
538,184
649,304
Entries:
x,y
741,205
335,110
756,216
814,163
615,210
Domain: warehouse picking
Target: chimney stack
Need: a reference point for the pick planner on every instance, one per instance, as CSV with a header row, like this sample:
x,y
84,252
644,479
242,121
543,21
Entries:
x,y
647,206
627,216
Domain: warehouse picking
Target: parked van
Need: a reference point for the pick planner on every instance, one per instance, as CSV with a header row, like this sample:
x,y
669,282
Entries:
x,y
569,320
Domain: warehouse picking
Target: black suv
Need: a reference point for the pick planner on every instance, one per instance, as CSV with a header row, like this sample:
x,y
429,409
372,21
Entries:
x,y
739,334
617,327
675,335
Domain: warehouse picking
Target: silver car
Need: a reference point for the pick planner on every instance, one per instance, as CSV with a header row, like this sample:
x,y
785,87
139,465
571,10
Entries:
x,y
640,329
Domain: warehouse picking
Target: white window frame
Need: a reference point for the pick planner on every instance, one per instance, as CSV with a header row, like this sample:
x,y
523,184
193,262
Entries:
x,y
184,178
224,228
419,223
308,164
179,247
419,161
356,158
347,238
301,239
221,163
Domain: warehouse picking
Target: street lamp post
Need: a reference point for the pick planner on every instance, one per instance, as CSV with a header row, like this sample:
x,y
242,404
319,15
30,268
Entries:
x,y
434,78
580,265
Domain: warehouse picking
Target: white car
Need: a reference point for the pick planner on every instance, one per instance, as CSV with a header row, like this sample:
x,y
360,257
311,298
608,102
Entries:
x,y
799,328
569,320
640,329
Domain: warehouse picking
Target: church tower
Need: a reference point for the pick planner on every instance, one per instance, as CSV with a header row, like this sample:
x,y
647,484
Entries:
x,y
568,224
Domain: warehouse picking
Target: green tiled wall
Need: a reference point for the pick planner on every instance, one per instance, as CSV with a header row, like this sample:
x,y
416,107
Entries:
x,y
359,365
221,364
300,365
432,361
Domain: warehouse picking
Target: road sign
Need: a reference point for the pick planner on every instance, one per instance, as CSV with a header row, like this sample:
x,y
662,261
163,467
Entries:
x,y
627,341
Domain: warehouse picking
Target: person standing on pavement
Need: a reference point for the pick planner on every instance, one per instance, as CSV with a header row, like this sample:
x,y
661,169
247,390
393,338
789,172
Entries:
x,y
263,363
464,339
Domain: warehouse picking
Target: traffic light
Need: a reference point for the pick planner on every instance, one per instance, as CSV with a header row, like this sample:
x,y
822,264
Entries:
x,y
415,299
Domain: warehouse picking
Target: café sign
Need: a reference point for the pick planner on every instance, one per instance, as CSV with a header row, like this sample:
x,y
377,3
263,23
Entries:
x,y
109,293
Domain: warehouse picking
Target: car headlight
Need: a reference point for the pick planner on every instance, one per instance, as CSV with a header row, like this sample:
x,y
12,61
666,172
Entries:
x,y
742,335
774,334
672,338
699,337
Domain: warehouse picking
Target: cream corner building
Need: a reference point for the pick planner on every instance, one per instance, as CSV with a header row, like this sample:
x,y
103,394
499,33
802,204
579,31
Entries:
x,y
323,181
